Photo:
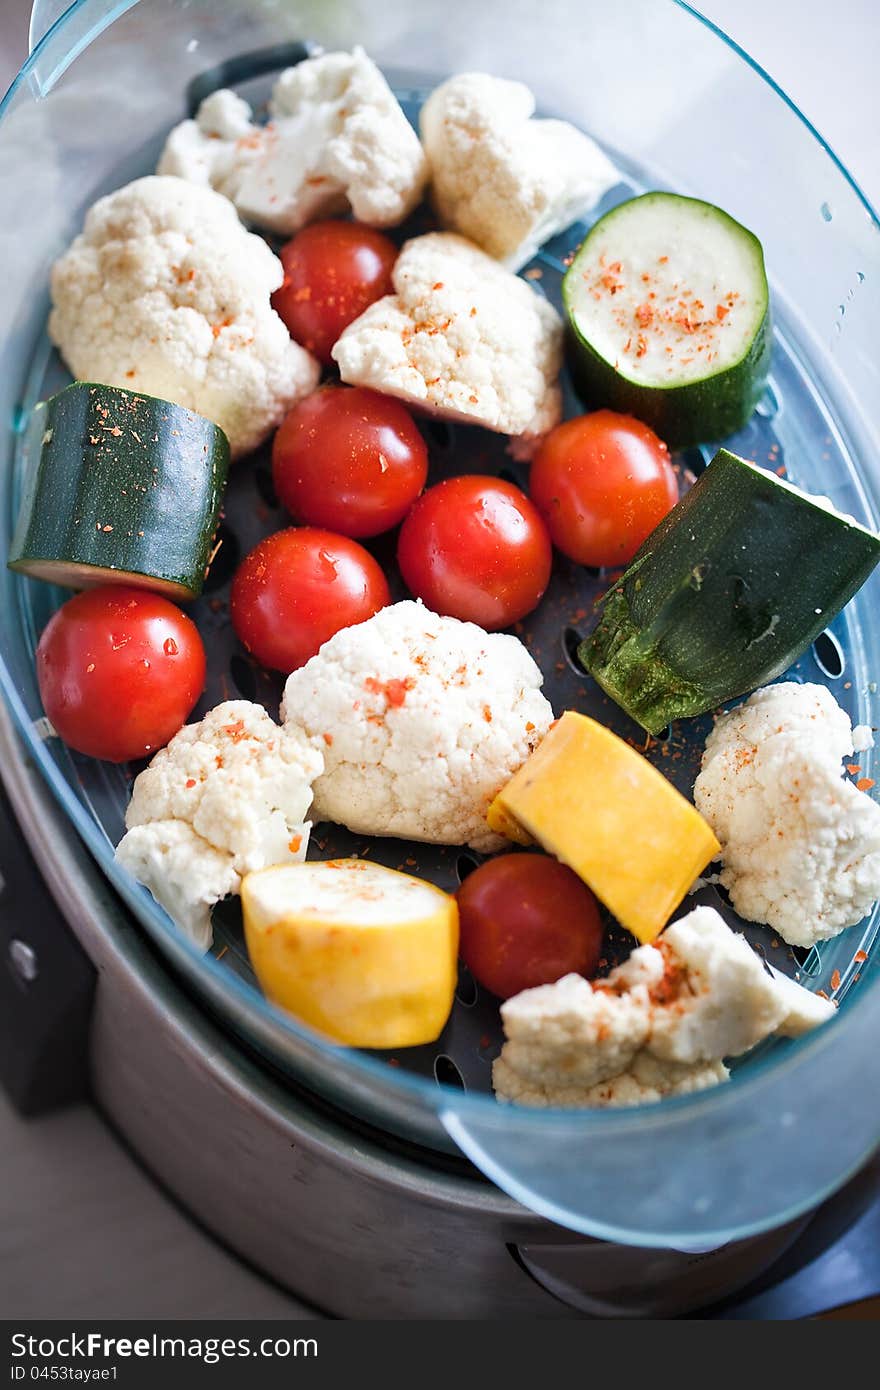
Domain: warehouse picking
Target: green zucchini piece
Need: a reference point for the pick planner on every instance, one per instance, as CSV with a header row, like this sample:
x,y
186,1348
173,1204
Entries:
x,y
729,590
120,488
668,316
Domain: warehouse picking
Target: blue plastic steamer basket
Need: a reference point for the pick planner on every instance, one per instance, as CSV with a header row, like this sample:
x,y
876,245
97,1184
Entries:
x,y
677,105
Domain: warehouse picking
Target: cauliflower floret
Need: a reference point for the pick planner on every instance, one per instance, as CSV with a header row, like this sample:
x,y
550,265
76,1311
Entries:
x,y
804,1010
715,999
649,1081
660,1024
462,338
227,796
863,738
215,148
570,1034
337,139
422,720
165,292
185,874
800,844
502,178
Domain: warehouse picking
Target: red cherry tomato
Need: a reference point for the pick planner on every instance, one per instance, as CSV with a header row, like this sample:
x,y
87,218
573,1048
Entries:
x,y
119,670
602,482
333,271
527,920
298,587
349,459
475,548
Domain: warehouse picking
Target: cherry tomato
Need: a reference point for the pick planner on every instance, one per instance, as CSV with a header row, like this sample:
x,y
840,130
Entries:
x,y
349,459
119,670
602,482
475,548
333,271
298,587
527,920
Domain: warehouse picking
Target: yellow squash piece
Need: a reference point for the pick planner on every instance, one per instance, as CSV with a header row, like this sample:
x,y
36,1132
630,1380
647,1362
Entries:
x,y
359,952
504,824
601,808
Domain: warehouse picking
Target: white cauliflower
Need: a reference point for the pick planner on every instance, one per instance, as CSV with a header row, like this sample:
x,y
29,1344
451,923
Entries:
x,y
337,139
660,1024
648,1081
227,796
501,177
185,874
216,148
572,1034
800,844
863,738
805,1010
422,720
462,338
712,996
165,292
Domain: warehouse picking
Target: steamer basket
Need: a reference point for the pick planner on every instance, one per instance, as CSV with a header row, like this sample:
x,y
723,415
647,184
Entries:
x,y
88,113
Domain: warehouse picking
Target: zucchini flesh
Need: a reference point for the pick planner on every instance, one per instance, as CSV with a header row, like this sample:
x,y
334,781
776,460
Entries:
x,y
729,590
121,488
668,317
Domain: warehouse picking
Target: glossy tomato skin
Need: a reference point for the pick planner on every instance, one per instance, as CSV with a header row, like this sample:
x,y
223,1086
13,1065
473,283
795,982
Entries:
x,y
119,671
602,482
527,920
349,460
295,589
476,548
333,271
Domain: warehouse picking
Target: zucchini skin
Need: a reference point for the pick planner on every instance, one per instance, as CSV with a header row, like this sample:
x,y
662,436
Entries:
x,y
723,595
709,408
119,482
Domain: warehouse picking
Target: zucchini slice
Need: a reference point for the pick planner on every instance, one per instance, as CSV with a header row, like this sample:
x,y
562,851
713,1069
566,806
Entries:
x,y
729,590
668,317
121,488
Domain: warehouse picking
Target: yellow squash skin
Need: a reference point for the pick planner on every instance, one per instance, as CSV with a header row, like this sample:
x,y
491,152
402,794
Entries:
x,y
503,823
375,985
600,807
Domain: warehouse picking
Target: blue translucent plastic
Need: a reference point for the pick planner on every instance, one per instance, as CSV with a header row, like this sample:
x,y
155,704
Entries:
x,y
797,1117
